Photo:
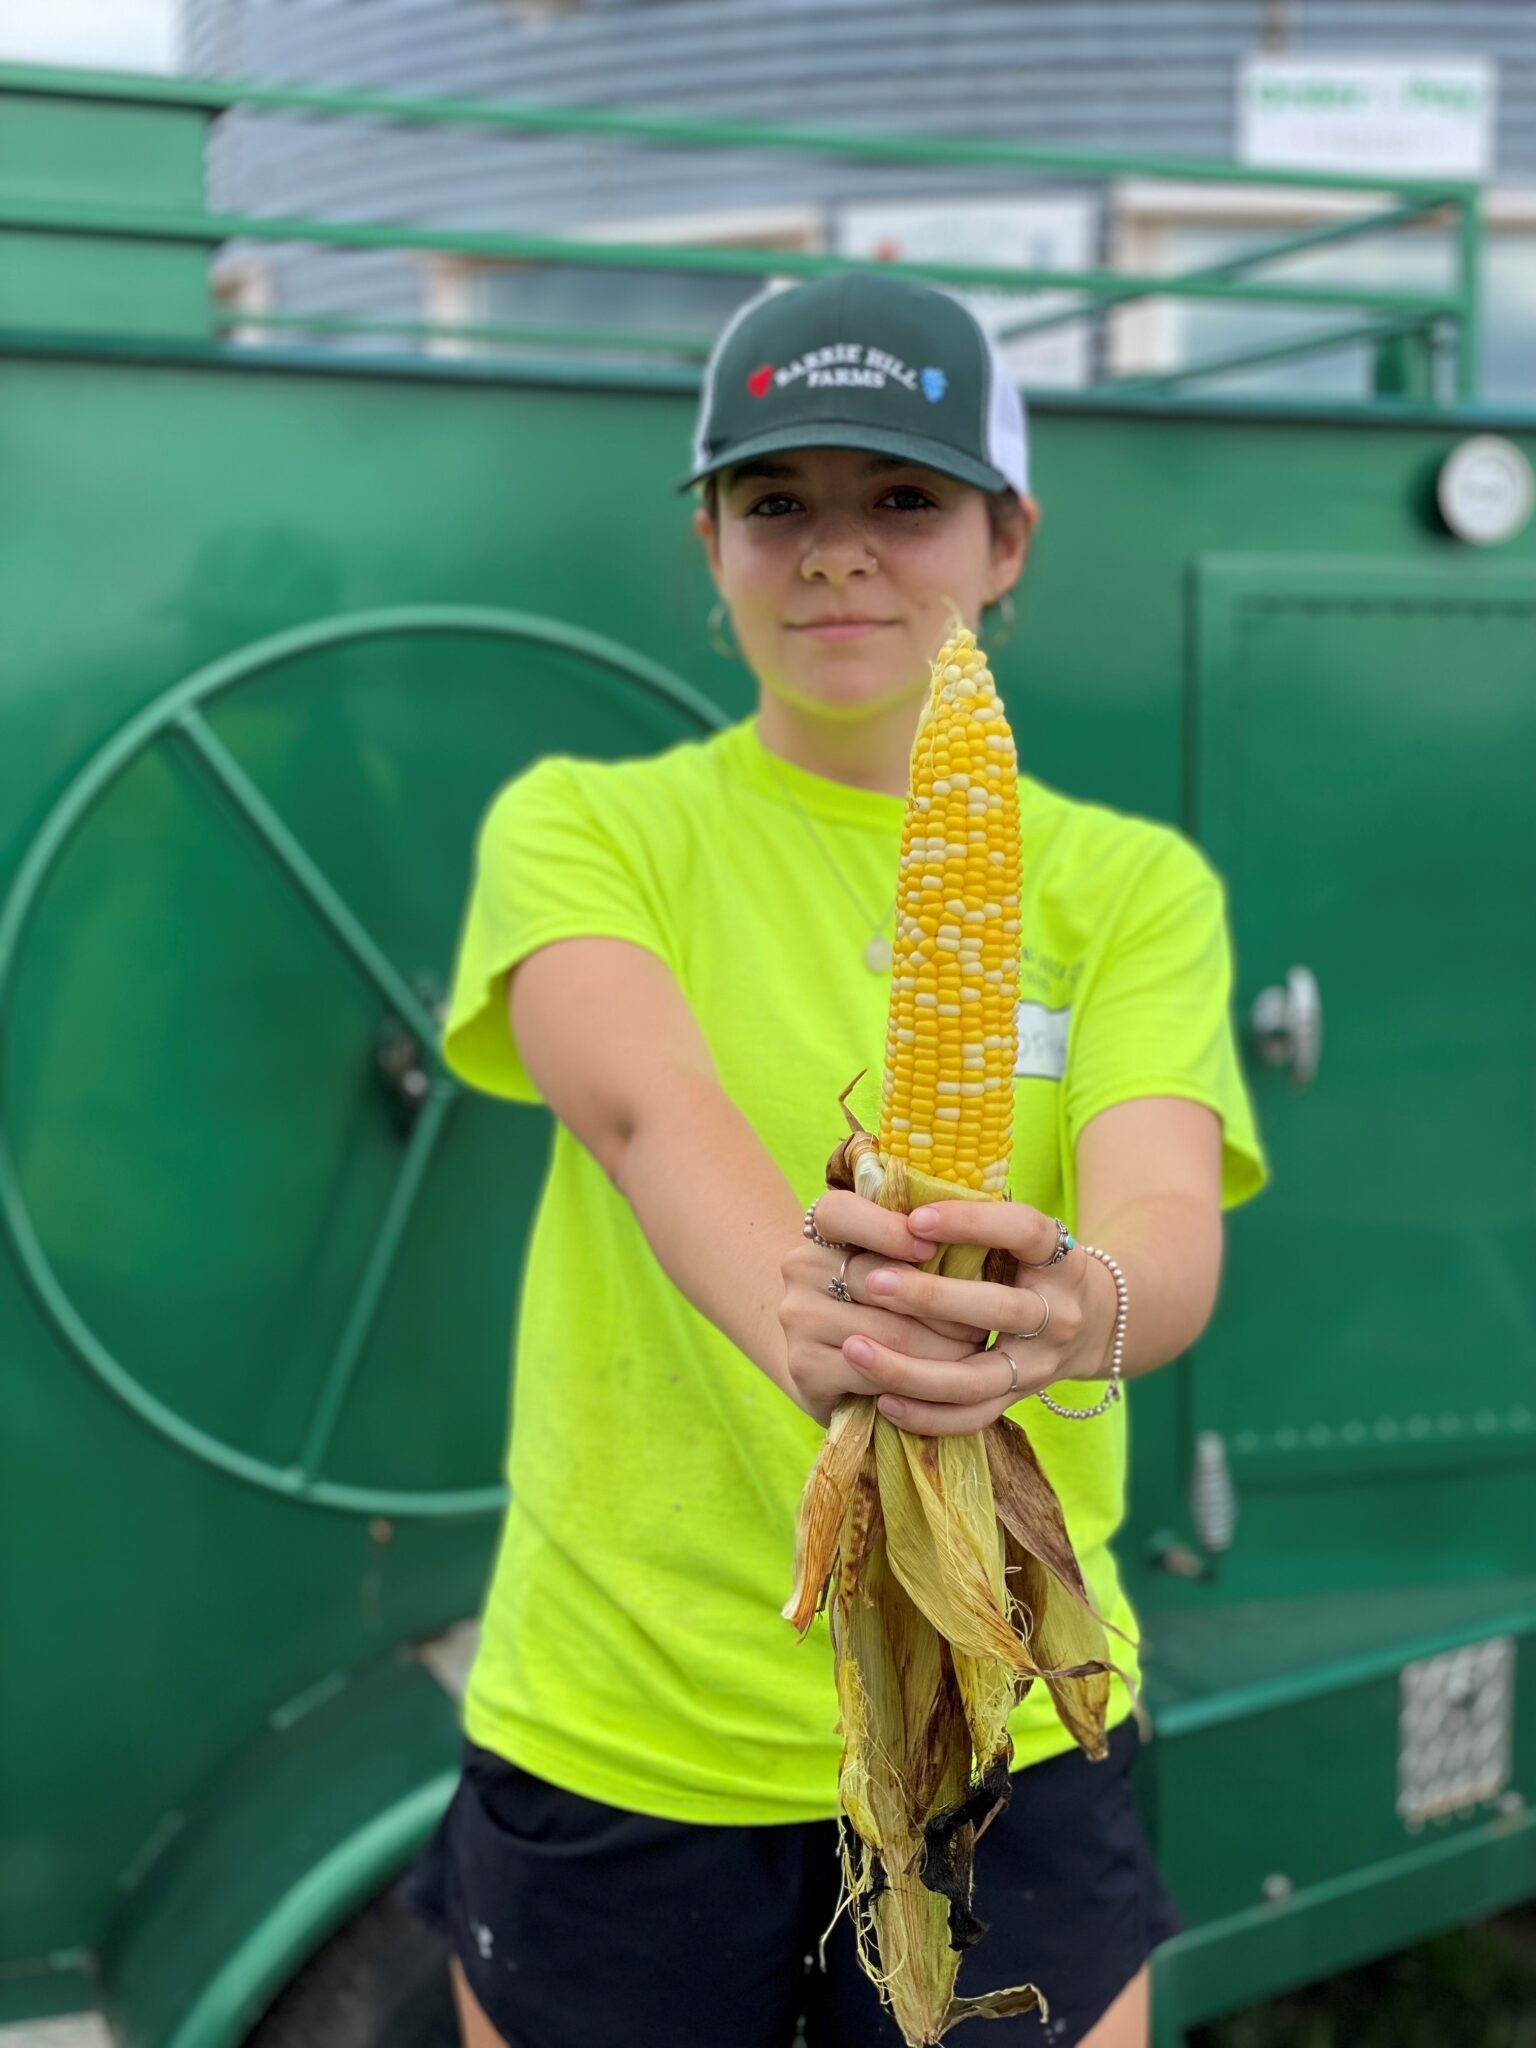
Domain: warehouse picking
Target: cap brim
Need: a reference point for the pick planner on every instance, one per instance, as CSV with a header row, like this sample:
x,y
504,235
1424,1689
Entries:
x,y
852,434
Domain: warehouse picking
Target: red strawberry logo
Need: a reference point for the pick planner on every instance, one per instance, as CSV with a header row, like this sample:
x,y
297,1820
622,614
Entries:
x,y
760,380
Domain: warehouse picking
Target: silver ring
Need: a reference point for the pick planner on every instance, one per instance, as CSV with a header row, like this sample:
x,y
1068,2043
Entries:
x,y
1013,1371
1043,1320
1065,1242
808,1229
838,1288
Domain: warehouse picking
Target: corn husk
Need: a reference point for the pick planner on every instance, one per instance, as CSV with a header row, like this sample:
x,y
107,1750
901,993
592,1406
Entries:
x,y
950,1586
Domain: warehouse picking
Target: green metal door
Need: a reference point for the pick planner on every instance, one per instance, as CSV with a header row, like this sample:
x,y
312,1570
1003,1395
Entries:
x,y
1363,746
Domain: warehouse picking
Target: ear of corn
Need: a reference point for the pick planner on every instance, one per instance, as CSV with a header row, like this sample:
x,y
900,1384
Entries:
x,y
943,1563
952,1038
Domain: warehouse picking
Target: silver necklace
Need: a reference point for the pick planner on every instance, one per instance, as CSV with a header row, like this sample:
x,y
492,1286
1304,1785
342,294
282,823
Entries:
x,y
878,951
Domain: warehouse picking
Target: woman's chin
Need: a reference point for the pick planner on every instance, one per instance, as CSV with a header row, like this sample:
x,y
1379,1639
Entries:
x,y
847,689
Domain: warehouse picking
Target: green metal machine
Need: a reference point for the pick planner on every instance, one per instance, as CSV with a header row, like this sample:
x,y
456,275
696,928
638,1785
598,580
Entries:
x,y
277,621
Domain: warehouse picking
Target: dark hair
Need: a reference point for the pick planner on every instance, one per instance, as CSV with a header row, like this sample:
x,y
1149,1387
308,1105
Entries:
x,y
1001,505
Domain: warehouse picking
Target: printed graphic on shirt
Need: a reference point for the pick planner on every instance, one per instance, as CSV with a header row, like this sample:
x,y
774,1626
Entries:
x,y
1048,974
1042,1041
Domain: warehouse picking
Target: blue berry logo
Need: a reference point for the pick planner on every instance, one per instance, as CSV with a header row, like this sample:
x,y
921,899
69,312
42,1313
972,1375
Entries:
x,y
935,384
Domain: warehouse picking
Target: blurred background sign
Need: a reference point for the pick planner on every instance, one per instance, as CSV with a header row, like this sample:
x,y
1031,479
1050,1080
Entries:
x,y
1416,117
1045,233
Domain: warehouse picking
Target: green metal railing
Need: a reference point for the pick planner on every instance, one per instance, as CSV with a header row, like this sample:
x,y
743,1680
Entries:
x,y
1411,330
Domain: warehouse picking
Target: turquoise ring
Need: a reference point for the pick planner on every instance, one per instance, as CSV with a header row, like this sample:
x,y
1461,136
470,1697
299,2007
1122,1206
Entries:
x,y
1065,1242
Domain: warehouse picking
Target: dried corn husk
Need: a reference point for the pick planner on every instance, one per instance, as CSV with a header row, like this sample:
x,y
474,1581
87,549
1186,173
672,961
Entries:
x,y
950,1586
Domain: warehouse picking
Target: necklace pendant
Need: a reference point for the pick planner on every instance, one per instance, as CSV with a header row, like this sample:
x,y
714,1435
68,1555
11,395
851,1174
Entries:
x,y
878,954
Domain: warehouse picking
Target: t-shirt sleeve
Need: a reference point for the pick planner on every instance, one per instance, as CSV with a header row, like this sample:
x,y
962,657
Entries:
x,y
546,867
1156,1016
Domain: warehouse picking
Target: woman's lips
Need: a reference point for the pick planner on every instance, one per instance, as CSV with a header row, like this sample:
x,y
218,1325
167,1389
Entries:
x,y
845,629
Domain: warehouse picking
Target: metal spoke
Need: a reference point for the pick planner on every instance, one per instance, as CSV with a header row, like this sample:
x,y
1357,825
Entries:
x,y
376,1277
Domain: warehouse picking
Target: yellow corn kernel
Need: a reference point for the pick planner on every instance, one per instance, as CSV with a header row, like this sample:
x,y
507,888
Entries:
x,y
959,890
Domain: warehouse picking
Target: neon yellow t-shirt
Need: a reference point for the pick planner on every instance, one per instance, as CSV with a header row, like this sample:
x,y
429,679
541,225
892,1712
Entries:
x,y
632,1645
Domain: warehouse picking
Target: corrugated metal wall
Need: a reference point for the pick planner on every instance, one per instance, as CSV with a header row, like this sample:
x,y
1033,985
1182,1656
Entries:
x,y
1155,75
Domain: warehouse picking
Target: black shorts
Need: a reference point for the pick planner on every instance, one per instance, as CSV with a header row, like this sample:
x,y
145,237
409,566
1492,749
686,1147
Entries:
x,y
581,1925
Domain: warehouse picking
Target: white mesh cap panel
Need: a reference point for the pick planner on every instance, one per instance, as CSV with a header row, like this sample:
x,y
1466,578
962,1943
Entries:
x,y
1007,437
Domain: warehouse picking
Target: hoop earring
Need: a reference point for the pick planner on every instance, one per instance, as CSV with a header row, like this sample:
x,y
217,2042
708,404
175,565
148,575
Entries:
x,y
726,649
1006,614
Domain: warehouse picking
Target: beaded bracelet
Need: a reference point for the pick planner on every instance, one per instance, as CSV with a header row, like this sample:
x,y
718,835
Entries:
x,y
1116,1349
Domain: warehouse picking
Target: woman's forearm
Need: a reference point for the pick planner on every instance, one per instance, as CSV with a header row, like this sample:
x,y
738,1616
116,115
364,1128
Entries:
x,y
691,1155
1169,1250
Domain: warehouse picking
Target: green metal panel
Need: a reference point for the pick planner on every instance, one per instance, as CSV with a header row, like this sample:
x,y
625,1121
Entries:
x,y
106,157
1275,1815
1366,737
1361,737
93,286
309,1823
127,155
179,1007
1373,1911
198,1122
1316,1706
315,1416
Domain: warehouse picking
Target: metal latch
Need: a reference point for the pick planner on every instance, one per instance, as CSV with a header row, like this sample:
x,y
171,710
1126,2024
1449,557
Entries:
x,y
1287,1025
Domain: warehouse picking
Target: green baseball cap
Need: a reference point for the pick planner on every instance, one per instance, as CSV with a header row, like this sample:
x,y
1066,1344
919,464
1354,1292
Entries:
x,y
862,360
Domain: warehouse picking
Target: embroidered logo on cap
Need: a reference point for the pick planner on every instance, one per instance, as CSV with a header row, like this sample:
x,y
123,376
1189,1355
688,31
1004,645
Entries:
x,y
856,363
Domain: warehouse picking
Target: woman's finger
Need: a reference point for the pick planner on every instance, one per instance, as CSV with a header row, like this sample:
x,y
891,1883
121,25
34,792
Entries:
x,y
968,1383
844,1218
917,1339
972,1335
925,1418
1014,1227
977,1304
856,1271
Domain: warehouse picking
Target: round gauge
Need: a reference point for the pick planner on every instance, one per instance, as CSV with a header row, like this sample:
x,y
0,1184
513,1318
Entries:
x,y
1485,490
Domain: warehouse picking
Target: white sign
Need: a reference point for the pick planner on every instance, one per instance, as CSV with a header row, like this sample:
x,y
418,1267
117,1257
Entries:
x,y
1024,234
1423,118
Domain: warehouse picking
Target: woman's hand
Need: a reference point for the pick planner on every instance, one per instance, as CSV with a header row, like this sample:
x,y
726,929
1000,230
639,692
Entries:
x,y
945,1396
816,1324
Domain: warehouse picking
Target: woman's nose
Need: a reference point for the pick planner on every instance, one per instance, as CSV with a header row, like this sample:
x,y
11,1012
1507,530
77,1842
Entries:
x,y
837,552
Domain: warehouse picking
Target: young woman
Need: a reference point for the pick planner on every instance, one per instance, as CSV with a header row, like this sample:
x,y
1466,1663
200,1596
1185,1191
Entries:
x,y
687,959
